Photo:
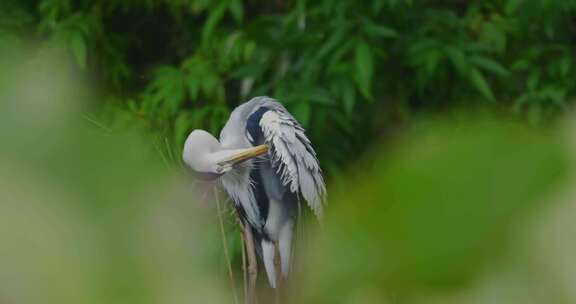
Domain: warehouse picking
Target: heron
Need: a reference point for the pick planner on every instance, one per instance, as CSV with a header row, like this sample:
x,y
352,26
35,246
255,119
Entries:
x,y
267,165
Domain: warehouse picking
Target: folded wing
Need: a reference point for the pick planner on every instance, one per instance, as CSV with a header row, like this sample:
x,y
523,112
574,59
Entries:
x,y
293,157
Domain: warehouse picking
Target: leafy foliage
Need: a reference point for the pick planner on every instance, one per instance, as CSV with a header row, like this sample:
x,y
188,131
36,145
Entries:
x,y
462,210
342,67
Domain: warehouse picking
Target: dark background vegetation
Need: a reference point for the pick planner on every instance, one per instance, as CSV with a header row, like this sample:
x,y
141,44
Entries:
x,y
351,71
443,126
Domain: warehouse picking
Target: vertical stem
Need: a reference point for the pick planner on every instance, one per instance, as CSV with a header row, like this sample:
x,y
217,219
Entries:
x,y
244,266
252,265
225,247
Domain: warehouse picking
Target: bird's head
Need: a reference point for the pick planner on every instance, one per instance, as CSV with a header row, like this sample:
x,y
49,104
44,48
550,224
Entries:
x,y
209,160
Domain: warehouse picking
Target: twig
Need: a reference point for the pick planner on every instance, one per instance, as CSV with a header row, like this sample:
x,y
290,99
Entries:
x,y
225,247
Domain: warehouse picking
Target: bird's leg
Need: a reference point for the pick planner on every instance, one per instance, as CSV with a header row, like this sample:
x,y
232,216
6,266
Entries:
x,y
244,265
252,265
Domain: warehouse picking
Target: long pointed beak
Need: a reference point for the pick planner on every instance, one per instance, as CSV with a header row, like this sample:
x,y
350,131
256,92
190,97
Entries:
x,y
245,155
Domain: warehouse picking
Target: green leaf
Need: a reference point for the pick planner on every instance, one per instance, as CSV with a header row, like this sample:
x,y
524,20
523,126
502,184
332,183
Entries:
x,y
555,94
533,79
364,69
333,42
349,98
378,30
377,6
489,65
480,84
182,126
521,65
249,70
512,6
78,48
565,66
432,58
458,59
213,19
193,88
237,10
494,37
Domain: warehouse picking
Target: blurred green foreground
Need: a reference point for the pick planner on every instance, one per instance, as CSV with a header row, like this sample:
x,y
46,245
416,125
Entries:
x,y
467,210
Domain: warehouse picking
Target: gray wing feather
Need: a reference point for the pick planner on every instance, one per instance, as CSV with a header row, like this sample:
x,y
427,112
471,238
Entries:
x,y
293,155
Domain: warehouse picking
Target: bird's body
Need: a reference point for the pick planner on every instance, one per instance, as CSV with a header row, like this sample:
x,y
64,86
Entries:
x,y
266,190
